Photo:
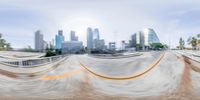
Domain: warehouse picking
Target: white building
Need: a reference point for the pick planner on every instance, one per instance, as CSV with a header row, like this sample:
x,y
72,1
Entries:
x,y
124,45
112,45
72,47
96,34
89,39
73,36
146,37
39,42
99,44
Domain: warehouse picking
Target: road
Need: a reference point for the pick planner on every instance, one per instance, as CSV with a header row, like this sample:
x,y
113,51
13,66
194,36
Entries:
x,y
152,76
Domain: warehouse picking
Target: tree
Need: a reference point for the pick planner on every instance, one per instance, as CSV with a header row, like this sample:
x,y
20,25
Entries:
x,y
181,43
28,49
8,46
50,53
3,44
157,46
198,35
193,42
166,46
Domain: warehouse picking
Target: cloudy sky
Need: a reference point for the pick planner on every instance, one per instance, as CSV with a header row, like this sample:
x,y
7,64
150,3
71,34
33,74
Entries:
x,y
116,19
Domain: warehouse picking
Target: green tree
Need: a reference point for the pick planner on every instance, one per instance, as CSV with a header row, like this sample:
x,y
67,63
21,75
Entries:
x,y
28,49
157,46
8,46
181,43
193,42
3,44
165,46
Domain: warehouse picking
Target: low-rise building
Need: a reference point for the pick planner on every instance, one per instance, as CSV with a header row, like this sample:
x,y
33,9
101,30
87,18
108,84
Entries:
x,y
99,44
72,47
112,46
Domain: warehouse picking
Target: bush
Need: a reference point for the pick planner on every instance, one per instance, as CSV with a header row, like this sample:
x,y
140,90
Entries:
x,y
50,53
157,46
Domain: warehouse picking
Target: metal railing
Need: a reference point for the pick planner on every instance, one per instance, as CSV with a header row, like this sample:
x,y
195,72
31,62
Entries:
x,y
190,55
33,62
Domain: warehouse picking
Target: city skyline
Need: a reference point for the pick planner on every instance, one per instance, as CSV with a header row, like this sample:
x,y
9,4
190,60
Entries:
x,y
117,22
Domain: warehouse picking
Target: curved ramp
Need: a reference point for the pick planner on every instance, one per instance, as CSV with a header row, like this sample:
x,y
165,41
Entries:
x,y
17,71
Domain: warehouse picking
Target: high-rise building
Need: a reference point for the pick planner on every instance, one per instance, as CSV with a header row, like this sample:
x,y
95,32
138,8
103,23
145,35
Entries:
x,y
97,43
151,36
89,38
96,34
142,39
73,36
148,36
133,41
59,39
39,42
93,40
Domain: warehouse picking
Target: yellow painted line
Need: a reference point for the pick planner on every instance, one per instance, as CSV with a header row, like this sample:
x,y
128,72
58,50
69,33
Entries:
x,y
126,77
66,75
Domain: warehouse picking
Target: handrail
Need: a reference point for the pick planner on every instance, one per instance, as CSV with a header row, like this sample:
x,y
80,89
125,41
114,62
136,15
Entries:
x,y
33,62
116,57
191,56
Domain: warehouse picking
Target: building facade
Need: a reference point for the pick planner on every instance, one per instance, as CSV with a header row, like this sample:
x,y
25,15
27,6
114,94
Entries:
x,y
133,41
39,41
59,39
99,44
94,41
96,34
112,45
73,36
89,38
70,47
143,39
124,45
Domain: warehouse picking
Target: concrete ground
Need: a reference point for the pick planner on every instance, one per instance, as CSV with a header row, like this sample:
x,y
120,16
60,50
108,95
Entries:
x,y
15,55
151,76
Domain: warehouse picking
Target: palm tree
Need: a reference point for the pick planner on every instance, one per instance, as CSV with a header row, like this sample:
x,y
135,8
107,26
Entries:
x,y
192,41
8,46
181,43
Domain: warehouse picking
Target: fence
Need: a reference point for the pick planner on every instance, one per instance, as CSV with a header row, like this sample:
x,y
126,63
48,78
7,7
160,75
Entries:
x,y
33,62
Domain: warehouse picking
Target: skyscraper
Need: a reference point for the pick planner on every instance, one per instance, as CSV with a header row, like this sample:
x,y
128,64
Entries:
x,y
96,34
89,38
147,37
151,36
143,39
73,36
133,41
39,42
59,39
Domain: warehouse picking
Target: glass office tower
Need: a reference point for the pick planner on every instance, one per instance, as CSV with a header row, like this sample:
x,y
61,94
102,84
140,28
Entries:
x,y
59,39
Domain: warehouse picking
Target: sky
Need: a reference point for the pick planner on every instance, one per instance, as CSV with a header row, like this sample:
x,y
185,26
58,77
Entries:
x,y
117,20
